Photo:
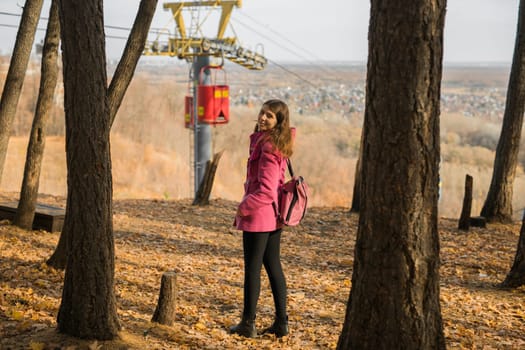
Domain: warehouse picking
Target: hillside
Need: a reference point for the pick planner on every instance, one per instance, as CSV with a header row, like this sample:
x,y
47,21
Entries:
x,y
151,149
200,245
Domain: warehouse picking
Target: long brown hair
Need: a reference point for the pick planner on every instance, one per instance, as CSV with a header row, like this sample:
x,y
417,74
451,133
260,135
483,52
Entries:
x,y
281,135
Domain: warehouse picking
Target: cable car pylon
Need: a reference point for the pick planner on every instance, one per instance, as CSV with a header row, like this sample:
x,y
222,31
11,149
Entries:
x,y
212,108
186,45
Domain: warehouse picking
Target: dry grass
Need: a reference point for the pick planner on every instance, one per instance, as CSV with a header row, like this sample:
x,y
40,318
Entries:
x,y
150,171
151,148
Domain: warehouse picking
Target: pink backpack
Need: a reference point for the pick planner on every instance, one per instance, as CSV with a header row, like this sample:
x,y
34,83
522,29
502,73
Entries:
x,y
293,199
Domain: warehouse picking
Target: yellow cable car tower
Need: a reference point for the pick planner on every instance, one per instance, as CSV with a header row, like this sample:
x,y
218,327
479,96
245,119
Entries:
x,y
187,45
190,45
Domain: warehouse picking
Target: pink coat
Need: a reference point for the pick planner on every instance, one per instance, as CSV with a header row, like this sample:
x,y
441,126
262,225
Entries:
x,y
264,178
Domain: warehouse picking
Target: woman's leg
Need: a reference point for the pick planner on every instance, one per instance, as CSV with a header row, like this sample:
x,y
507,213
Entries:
x,y
272,264
254,245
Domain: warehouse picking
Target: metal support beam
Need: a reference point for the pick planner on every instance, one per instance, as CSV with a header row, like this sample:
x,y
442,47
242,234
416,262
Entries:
x,y
187,47
227,8
201,131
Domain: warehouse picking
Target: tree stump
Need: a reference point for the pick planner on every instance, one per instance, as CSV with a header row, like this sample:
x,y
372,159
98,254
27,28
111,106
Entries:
x,y
165,311
464,220
203,194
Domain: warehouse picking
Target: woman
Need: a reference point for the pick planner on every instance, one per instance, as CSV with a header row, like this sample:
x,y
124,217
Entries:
x,y
257,216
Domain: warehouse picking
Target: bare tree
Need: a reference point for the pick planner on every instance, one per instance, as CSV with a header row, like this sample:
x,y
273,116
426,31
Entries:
x,y
16,73
37,140
498,204
116,92
394,300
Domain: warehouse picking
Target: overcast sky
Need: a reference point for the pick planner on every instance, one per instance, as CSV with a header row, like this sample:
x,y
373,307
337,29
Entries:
x,y
309,31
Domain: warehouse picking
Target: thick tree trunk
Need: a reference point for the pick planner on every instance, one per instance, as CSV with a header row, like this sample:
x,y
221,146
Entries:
x,y
116,91
165,311
394,300
88,307
498,204
516,276
16,73
35,150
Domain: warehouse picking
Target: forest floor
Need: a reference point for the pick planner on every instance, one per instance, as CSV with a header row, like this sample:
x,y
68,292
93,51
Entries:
x,y
205,251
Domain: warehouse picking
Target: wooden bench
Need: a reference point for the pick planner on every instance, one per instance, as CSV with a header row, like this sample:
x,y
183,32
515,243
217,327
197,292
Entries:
x,y
47,217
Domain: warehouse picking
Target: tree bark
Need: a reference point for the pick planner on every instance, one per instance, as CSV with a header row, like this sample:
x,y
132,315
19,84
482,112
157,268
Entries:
x,y
165,310
116,91
58,259
394,300
498,204
16,73
516,275
356,195
88,306
464,219
35,150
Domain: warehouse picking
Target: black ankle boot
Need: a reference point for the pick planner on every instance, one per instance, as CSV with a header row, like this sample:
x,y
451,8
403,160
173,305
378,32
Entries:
x,y
279,328
246,328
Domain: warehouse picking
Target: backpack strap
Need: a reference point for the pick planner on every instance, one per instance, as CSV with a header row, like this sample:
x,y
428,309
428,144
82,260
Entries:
x,y
290,169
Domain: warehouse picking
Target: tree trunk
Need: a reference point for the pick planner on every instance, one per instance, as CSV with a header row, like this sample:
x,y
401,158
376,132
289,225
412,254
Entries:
x,y
394,300
58,259
516,276
88,307
356,196
35,150
464,219
130,57
116,91
165,311
16,73
498,204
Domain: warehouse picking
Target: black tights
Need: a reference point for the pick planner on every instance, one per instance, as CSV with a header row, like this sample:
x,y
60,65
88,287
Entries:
x,y
263,248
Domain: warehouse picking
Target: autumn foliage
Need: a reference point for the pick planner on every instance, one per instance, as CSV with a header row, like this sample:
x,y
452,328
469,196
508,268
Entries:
x,y
200,245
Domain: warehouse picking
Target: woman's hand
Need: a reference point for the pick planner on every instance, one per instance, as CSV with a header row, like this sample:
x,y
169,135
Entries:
x,y
239,213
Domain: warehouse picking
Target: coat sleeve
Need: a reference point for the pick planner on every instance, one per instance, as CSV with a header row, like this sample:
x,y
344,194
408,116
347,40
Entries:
x,y
268,178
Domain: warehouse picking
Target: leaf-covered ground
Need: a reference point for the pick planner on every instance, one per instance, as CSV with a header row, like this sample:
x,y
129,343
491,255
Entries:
x,y
201,246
